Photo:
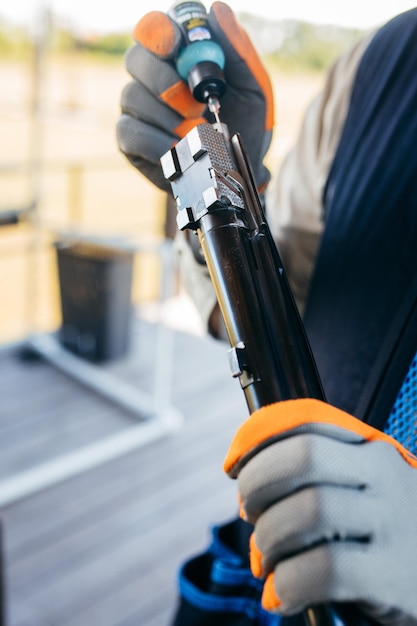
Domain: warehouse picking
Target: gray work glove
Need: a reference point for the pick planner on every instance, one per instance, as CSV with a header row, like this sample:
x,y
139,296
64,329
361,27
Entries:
x,y
158,108
334,504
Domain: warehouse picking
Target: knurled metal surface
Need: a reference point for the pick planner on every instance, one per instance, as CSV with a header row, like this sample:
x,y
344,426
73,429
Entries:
x,y
214,142
220,158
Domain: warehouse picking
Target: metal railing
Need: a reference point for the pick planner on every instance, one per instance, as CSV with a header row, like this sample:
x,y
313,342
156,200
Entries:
x,y
156,416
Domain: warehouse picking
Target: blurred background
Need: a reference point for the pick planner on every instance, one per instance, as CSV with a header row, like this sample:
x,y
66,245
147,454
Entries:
x,y
110,472
62,78
61,68
58,155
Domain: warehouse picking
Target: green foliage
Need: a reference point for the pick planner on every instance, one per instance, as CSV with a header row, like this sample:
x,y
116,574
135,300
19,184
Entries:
x,y
14,42
62,41
297,45
17,42
6,45
287,44
114,44
314,47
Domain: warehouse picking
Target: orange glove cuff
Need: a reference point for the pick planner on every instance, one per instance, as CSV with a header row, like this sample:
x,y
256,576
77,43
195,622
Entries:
x,y
270,422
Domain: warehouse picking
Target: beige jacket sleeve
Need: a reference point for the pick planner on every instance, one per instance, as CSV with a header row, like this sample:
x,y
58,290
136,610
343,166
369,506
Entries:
x,y
294,197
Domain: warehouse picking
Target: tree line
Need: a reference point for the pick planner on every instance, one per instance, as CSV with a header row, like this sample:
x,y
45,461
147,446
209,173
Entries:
x,y
288,44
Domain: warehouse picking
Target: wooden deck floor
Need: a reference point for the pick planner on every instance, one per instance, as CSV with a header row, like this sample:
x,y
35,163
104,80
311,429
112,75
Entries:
x,y
103,548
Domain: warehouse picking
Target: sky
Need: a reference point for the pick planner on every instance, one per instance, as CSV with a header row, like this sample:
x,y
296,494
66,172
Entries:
x,y
121,16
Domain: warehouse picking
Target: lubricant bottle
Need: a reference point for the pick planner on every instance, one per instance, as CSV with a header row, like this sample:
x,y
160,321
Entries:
x,y
201,60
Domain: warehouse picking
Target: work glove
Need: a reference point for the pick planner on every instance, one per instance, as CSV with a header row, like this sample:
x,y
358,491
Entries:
x,y
158,108
334,507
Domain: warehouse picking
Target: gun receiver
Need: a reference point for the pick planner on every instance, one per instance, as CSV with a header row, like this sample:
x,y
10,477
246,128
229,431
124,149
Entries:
x,y
215,193
216,196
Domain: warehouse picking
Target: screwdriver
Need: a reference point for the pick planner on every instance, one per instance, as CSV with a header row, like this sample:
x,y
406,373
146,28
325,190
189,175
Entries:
x,y
201,60
213,104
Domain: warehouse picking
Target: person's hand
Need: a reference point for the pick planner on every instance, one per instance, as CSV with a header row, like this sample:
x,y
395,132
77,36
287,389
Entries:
x,y
158,108
334,504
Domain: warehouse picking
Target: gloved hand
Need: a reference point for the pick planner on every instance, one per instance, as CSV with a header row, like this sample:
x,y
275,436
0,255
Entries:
x,y
158,108
334,503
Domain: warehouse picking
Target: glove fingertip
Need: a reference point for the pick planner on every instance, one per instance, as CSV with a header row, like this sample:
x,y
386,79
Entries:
x,y
242,513
270,599
255,557
158,34
225,15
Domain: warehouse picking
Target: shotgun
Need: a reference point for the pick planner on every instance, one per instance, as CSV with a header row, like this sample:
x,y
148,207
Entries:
x,y
213,186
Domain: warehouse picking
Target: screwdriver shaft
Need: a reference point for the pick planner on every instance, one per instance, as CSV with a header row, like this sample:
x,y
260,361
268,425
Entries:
x,y
213,104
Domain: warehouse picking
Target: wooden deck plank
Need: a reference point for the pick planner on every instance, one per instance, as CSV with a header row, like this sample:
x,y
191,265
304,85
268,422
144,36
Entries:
x,y
115,485
103,549
59,417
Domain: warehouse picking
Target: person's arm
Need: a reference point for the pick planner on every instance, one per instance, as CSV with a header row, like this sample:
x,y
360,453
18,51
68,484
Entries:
x,y
294,195
158,109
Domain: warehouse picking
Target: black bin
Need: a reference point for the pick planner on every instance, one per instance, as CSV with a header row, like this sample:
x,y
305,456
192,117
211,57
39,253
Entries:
x,y
95,286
